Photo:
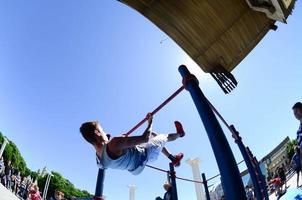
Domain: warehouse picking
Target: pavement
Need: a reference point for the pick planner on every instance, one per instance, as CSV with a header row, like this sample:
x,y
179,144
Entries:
x,y
292,192
5,194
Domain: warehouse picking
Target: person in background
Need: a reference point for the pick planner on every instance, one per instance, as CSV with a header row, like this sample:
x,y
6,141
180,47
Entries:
x,y
275,184
296,164
8,173
168,195
13,182
297,110
33,193
249,193
282,176
22,188
58,195
2,166
17,183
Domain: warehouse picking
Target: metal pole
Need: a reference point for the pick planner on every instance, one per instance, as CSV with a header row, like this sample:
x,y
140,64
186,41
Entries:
x,y
259,175
46,186
205,184
5,142
230,175
248,162
173,182
99,185
262,179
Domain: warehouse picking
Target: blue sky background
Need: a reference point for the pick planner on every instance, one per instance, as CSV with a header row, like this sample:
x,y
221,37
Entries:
x,y
66,62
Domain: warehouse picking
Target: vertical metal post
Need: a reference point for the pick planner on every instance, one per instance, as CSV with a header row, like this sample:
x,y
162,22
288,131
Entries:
x,y
262,179
248,162
5,142
46,186
99,185
230,175
205,184
259,175
173,182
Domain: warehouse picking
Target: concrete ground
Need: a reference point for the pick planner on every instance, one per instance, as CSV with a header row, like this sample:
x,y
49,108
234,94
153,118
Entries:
x,y
5,194
293,193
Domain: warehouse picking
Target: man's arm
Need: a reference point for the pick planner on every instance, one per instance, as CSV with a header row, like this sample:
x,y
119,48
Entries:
x,y
118,144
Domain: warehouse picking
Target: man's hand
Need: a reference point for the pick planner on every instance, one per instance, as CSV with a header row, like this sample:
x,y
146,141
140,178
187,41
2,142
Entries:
x,y
148,130
150,119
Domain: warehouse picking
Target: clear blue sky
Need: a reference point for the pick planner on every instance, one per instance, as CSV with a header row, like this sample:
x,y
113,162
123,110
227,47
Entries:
x,y
66,62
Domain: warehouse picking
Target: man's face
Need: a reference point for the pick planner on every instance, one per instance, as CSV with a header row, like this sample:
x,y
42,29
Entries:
x,y
101,135
298,113
59,195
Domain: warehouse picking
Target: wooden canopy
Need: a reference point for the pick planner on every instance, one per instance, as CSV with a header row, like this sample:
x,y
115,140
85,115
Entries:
x,y
215,34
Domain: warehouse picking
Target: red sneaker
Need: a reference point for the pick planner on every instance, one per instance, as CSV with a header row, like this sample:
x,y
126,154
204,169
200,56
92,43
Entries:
x,y
179,129
178,159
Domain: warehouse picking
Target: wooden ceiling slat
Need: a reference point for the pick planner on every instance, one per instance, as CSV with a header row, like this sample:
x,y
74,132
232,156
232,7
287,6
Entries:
x,y
212,32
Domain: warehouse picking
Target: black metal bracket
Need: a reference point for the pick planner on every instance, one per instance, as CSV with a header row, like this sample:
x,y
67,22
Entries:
x,y
225,79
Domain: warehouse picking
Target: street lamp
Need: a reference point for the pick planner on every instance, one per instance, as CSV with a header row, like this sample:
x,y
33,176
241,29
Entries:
x,y
5,142
49,175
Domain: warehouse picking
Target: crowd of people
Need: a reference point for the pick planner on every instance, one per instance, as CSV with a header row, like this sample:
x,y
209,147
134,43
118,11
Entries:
x,y
23,187
277,183
11,178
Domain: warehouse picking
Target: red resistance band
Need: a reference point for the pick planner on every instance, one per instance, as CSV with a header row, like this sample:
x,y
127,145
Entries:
x,y
156,110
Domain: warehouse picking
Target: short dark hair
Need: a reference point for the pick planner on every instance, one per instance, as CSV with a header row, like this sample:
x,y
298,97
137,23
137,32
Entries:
x,y
297,105
87,129
58,191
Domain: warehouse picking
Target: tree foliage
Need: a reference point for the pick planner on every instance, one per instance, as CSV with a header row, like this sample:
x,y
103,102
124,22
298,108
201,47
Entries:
x,y
57,181
291,148
13,154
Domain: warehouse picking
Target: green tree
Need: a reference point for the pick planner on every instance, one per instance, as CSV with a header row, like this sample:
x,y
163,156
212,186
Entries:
x,y
13,154
291,148
59,182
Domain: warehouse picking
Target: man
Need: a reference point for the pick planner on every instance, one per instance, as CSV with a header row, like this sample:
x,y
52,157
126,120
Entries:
x,y
249,193
8,173
58,195
1,169
282,176
17,182
296,164
168,194
130,153
297,109
22,189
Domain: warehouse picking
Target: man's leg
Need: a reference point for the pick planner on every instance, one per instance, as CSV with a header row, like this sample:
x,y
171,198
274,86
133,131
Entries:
x,y
300,149
298,172
176,159
173,136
